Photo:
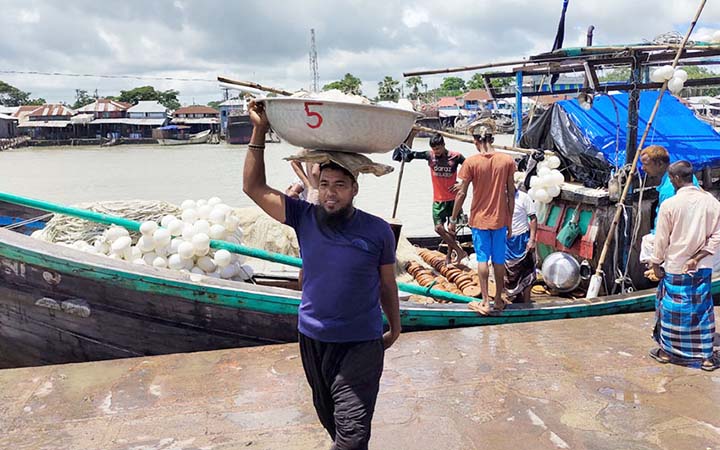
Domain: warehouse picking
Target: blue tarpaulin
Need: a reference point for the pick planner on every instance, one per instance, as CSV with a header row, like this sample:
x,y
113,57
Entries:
x,y
592,143
675,127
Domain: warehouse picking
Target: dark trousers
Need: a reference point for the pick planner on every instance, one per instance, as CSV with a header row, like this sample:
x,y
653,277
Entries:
x,y
345,379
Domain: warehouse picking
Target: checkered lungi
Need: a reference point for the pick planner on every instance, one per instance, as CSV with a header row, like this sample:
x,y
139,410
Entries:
x,y
684,317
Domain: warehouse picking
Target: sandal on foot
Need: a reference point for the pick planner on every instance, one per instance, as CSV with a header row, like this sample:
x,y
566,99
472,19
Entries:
x,y
660,356
710,364
479,308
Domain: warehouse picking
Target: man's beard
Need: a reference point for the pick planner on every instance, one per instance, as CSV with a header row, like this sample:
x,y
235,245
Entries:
x,y
333,220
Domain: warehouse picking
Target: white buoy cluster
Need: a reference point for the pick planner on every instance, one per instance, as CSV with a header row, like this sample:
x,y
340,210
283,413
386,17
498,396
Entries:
x,y
180,243
546,184
676,78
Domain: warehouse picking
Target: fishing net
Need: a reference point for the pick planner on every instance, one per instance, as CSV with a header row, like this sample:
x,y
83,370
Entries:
x,y
68,229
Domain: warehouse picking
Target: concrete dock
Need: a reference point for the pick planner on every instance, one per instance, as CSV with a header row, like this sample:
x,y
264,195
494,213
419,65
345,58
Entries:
x,y
572,384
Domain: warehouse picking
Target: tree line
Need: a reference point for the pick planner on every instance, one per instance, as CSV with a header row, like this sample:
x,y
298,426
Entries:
x,y
12,96
390,89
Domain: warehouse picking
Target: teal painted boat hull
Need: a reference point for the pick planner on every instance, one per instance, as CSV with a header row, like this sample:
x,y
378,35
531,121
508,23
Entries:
x,y
59,304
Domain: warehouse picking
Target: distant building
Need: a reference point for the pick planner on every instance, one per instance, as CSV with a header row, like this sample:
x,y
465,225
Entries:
x,y
448,107
477,99
198,118
542,84
145,116
230,107
102,117
8,126
48,122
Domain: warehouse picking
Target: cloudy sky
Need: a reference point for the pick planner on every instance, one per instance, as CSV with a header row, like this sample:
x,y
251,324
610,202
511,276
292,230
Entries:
x,y
268,41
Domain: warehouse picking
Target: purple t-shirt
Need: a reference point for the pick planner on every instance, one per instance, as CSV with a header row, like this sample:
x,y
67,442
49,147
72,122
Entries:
x,y
341,274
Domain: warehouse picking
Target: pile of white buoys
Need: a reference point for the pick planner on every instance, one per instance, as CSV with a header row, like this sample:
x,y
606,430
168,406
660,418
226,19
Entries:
x,y
676,78
180,243
547,183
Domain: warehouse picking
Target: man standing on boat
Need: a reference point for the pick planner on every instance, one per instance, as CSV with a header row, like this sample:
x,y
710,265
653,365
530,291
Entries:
x,y
444,166
520,252
655,161
348,276
492,177
686,237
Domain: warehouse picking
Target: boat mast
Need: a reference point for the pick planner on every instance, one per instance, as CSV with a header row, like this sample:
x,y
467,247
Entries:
x,y
313,62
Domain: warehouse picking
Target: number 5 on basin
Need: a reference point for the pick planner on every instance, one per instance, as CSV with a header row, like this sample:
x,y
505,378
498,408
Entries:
x,y
313,114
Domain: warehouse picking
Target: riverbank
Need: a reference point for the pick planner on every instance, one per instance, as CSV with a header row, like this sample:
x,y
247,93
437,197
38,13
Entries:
x,y
580,384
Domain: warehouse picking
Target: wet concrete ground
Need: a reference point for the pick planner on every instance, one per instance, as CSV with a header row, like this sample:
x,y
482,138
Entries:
x,y
580,384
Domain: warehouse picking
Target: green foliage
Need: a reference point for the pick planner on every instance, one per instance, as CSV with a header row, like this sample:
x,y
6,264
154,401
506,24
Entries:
x,y
215,104
616,75
12,96
414,84
82,98
477,82
451,87
350,84
698,72
388,89
166,98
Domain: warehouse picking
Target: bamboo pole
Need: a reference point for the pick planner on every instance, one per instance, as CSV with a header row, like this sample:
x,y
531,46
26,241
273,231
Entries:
x,y
217,244
470,140
397,190
594,288
553,57
257,86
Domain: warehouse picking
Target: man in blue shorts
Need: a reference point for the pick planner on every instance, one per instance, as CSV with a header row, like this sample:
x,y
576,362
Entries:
x,y
491,175
348,277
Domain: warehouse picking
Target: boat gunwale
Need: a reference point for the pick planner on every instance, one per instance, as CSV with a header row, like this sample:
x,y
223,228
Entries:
x,y
263,298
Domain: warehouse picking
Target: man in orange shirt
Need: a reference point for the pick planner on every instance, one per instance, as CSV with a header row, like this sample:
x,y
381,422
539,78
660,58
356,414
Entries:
x,y
493,203
443,165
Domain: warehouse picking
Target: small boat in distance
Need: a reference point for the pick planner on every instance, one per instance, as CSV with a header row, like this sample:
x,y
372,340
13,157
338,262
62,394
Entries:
x,y
178,135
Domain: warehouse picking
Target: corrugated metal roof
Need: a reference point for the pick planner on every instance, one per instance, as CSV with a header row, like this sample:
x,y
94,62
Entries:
x,y
104,105
477,94
447,101
197,121
52,110
233,102
128,121
147,106
8,110
196,109
45,124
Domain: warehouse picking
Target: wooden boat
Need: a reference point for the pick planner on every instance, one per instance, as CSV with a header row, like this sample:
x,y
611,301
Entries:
x,y
59,305
197,138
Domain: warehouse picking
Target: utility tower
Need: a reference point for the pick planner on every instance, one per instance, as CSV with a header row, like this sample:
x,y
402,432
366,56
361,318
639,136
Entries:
x,y
313,63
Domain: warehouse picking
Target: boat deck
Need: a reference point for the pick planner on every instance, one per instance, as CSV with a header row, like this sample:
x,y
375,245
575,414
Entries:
x,y
580,384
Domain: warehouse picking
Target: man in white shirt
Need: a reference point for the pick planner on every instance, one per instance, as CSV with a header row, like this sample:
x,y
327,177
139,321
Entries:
x,y
686,237
520,250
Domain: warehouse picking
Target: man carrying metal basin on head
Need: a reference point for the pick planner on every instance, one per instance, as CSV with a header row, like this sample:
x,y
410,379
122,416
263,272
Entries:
x,y
348,276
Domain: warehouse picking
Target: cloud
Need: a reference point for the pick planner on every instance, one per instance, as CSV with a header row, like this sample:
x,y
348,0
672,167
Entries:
x,y
268,41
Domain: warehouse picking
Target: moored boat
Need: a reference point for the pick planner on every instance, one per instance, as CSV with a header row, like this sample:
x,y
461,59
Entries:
x,y
59,304
181,138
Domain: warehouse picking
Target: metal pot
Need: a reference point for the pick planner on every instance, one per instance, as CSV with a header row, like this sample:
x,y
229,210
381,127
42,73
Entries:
x,y
561,272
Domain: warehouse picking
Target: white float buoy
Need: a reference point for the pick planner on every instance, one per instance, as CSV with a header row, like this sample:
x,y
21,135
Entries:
x,y
186,250
223,258
148,228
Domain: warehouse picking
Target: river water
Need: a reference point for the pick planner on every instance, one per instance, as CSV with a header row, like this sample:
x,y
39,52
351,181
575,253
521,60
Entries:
x,y
71,175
